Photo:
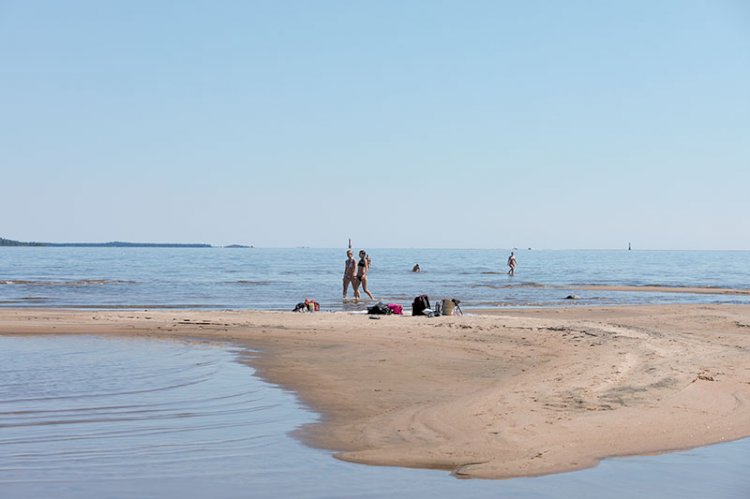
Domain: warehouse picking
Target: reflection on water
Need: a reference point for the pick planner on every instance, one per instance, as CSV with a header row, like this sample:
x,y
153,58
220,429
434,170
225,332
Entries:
x,y
94,417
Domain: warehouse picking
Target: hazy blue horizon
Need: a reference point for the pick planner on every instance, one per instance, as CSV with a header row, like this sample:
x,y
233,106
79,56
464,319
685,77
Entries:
x,y
287,123
343,247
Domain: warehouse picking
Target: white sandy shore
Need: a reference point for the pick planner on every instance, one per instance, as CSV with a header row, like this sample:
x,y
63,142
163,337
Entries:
x,y
498,395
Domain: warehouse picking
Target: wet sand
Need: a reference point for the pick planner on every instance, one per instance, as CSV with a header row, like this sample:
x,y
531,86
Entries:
x,y
510,393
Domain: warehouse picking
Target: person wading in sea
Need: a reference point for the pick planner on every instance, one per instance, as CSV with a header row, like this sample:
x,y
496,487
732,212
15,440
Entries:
x,y
362,267
350,274
512,264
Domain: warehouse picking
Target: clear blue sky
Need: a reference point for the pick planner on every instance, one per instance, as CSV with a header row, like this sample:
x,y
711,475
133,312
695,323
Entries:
x,y
491,124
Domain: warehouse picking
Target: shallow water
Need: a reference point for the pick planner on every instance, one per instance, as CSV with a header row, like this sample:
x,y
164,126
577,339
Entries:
x,y
85,416
280,278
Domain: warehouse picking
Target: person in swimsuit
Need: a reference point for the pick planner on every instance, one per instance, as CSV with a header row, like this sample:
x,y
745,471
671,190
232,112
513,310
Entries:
x,y
362,266
350,274
512,264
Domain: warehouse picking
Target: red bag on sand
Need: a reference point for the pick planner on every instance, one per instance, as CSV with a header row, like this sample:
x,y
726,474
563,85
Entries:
x,y
396,308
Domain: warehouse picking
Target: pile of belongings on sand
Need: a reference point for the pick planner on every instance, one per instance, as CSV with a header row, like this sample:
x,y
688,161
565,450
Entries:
x,y
381,308
307,306
448,306
420,306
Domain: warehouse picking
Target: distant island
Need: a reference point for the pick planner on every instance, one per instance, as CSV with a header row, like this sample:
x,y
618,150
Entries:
x,y
10,242
113,244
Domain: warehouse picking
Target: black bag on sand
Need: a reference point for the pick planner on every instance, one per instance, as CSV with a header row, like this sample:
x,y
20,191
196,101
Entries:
x,y
379,308
420,303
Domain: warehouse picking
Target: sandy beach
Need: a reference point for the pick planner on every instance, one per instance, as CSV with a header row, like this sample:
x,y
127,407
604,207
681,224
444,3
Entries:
x,y
496,395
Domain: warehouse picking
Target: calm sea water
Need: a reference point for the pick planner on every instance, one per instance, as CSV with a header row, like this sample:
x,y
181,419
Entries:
x,y
86,416
280,278
93,417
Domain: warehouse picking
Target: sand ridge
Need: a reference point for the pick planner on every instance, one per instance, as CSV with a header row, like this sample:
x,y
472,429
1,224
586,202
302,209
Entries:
x,y
705,290
516,392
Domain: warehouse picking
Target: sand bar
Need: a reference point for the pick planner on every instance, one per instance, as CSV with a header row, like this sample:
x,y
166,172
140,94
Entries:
x,y
668,289
498,395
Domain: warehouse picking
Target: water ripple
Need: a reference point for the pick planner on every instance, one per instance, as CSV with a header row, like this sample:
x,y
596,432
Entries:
x,y
115,405
180,420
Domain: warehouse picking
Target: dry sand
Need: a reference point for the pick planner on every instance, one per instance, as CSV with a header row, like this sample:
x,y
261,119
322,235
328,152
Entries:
x,y
513,393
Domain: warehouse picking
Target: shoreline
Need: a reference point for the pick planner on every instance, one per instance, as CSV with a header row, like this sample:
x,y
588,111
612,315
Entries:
x,y
648,288
507,393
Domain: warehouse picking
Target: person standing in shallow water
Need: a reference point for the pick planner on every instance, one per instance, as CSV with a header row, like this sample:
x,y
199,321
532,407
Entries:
x,y
512,264
362,267
350,274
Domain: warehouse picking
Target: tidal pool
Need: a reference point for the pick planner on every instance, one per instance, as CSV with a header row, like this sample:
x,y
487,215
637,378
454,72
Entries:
x,y
88,416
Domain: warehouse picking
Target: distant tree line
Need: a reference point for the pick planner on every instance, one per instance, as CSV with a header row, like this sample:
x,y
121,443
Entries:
x,y
113,244
10,242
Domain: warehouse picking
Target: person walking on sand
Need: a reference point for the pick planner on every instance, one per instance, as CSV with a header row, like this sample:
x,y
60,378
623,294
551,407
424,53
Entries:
x,y
512,264
362,267
350,273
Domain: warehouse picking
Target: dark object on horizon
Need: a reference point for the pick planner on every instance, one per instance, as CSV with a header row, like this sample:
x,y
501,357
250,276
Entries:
x,y
113,244
420,304
572,297
10,242
121,244
237,246
629,248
